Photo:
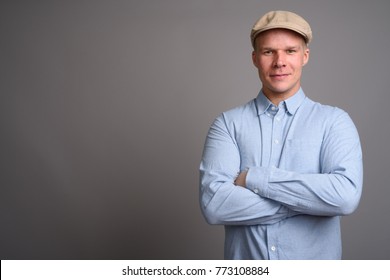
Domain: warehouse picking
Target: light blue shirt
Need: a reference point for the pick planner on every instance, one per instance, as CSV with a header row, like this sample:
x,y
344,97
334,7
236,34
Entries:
x,y
305,170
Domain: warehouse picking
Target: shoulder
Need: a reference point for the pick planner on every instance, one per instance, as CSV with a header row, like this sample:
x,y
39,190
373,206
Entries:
x,y
247,110
322,112
237,118
327,118
323,109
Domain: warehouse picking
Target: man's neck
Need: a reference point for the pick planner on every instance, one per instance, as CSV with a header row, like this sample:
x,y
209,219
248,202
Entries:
x,y
276,97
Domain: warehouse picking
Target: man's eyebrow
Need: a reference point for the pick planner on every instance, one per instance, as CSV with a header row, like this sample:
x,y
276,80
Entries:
x,y
267,49
293,47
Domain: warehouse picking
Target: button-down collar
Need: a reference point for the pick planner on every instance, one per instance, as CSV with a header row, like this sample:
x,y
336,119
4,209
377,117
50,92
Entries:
x,y
292,104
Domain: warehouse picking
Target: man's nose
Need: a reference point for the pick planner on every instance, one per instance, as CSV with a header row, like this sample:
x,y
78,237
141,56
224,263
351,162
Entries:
x,y
279,60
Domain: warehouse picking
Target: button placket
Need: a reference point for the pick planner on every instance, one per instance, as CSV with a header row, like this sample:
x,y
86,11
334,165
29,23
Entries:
x,y
276,135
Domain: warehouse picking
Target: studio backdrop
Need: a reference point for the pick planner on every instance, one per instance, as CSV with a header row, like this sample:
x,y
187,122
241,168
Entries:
x,y
105,106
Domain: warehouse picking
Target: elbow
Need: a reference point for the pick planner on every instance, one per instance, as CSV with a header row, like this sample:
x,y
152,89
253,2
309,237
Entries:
x,y
212,208
213,212
349,197
211,216
347,209
348,205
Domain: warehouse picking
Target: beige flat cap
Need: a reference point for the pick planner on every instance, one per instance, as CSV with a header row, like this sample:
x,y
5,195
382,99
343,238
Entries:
x,y
282,19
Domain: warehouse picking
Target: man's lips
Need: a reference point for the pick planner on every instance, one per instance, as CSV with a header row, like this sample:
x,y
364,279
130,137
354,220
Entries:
x,y
279,76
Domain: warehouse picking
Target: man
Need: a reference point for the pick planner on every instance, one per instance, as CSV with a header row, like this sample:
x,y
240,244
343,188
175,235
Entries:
x,y
279,171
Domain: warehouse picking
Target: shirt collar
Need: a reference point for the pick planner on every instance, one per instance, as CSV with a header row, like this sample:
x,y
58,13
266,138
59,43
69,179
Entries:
x,y
292,103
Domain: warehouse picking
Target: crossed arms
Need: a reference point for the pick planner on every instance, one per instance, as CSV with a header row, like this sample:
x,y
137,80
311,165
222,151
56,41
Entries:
x,y
265,195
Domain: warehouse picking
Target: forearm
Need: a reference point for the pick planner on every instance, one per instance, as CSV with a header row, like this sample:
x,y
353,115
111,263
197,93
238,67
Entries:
x,y
223,202
327,194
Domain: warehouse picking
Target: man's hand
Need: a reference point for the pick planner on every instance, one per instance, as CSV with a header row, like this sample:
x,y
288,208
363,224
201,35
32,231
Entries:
x,y
241,179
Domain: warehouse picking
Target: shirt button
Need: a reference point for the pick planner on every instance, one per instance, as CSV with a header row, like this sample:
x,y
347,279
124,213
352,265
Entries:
x,y
273,108
273,248
278,119
256,191
276,141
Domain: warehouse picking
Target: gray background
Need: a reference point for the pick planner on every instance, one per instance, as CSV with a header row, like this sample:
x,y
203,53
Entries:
x,y
105,106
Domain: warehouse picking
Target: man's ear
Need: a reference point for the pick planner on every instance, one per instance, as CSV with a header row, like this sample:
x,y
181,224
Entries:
x,y
306,55
254,58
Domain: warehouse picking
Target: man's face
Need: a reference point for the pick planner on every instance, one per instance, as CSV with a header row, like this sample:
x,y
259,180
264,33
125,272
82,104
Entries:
x,y
279,56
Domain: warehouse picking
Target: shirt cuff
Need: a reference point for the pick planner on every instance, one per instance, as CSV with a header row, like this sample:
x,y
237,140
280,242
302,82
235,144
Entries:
x,y
257,180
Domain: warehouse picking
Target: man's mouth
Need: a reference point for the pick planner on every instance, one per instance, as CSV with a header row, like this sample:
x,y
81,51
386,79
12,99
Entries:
x,y
279,76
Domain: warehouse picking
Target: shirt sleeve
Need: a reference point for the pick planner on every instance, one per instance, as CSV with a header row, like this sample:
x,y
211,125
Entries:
x,y
336,190
221,201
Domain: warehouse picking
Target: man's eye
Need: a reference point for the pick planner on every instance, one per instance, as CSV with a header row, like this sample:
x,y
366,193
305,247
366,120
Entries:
x,y
267,52
291,51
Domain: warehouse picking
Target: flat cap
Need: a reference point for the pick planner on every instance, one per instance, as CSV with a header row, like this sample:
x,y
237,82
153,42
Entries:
x,y
282,19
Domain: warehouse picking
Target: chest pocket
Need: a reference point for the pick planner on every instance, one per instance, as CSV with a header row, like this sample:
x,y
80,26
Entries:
x,y
301,155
